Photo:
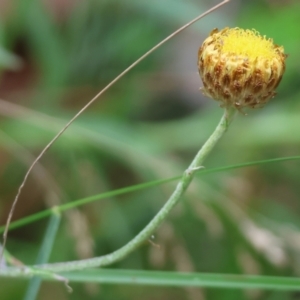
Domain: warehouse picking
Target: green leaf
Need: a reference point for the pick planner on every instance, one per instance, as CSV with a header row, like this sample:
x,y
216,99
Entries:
x,y
79,202
159,278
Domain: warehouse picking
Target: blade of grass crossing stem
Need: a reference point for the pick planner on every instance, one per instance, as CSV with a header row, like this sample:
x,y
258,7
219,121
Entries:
x,y
161,278
137,187
44,253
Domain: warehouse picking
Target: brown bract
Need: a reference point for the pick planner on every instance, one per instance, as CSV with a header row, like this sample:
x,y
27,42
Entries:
x,y
240,68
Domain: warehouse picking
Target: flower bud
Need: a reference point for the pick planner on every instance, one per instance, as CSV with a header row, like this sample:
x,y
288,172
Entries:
x,y
240,67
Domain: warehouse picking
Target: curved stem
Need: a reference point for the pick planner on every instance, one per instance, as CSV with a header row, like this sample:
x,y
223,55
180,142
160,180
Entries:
x,y
160,216
56,137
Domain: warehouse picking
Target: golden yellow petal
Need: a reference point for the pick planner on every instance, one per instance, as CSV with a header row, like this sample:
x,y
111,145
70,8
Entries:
x,y
240,67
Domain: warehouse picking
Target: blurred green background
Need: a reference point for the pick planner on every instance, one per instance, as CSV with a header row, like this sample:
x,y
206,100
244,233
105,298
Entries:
x,y
56,55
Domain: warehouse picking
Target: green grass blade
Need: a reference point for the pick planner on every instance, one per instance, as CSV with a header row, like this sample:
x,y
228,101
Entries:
x,y
76,203
44,253
161,278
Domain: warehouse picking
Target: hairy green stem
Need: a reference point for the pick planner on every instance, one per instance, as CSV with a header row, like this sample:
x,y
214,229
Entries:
x,y
160,216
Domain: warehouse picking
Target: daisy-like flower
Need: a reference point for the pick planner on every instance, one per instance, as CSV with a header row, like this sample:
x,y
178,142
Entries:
x,y
240,67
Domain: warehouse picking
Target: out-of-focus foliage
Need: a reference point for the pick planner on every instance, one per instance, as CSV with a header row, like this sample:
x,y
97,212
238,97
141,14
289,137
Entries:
x,y
56,55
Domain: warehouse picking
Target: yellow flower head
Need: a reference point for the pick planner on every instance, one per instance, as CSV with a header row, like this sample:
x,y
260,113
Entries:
x,y
240,67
